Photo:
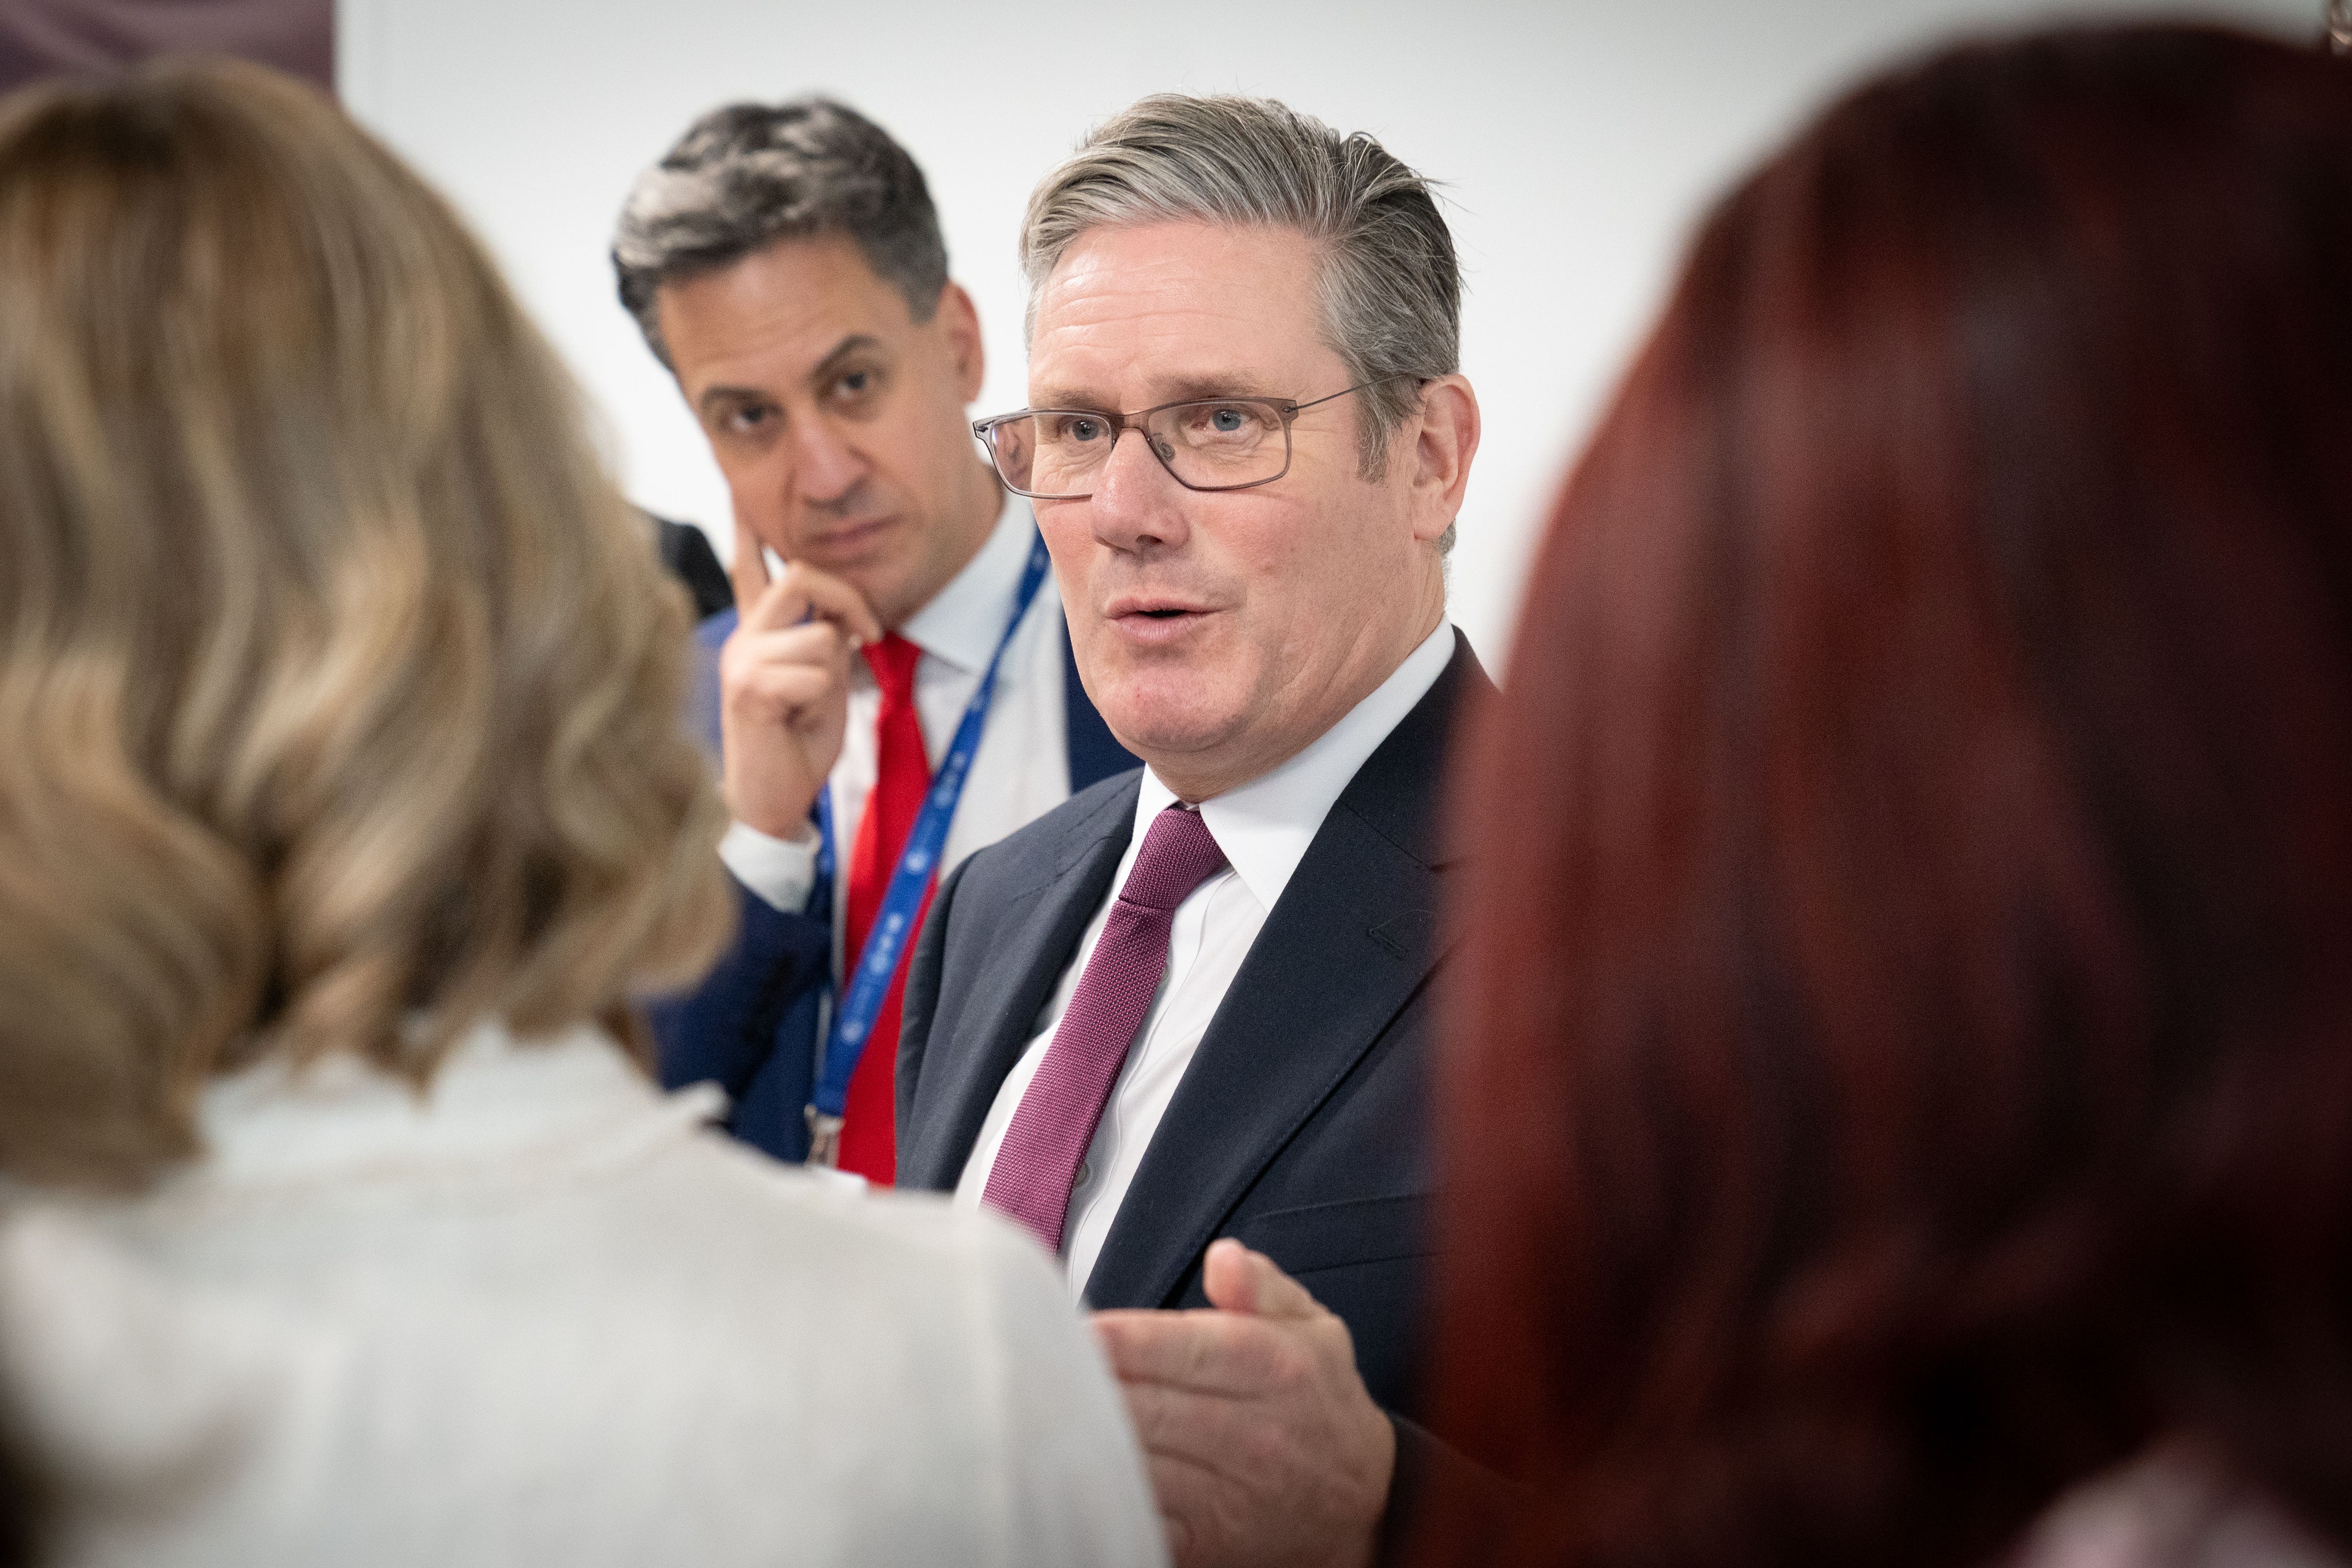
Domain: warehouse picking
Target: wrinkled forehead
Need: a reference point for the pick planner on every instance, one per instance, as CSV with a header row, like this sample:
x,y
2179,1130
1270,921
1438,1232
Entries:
x,y
1143,313
779,314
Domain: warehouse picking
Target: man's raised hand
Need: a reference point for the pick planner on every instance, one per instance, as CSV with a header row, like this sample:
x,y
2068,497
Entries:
x,y
1264,1447
783,686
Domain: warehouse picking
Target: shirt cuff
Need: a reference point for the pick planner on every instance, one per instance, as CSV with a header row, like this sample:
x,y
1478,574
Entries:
x,y
782,872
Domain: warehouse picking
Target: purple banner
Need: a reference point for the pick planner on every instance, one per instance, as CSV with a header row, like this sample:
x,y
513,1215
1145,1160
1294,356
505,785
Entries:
x,y
49,37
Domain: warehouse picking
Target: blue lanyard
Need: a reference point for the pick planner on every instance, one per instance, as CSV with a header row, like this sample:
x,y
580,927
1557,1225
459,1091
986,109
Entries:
x,y
869,983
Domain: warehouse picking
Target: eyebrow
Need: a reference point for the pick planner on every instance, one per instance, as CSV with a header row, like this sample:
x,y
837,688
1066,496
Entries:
x,y
714,395
856,343
1180,389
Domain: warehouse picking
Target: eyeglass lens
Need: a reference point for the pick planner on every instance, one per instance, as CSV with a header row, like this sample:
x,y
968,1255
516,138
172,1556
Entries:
x,y
1207,445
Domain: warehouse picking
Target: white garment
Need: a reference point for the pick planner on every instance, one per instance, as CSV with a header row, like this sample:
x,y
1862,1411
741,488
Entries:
x,y
1022,769
542,1315
1265,828
2173,1507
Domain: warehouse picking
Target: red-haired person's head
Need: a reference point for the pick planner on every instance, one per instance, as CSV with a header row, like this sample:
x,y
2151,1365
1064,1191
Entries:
x,y
1903,1046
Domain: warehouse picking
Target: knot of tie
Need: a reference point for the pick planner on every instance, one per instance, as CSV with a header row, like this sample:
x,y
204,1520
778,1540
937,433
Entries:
x,y
1179,854
893,661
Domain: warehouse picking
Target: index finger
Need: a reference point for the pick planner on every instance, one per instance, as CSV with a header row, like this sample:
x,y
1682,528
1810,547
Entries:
x,y
832,598
805,593
748,572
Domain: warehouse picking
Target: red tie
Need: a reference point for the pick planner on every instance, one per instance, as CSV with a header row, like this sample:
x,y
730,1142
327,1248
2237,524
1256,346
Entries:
x,y
902,776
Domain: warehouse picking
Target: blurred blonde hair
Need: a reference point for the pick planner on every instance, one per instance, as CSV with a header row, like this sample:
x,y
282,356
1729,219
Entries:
x,y
341,692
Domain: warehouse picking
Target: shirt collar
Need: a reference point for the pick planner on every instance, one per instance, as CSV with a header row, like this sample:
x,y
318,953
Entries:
x,y
961,623
1265,826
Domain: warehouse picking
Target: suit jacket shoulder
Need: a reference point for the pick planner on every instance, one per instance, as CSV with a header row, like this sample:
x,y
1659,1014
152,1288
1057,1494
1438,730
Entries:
x,y
1040,850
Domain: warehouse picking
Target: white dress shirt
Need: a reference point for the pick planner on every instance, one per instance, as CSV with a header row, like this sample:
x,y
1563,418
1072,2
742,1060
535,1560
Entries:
x,y
1022,769
539,1313
1265,828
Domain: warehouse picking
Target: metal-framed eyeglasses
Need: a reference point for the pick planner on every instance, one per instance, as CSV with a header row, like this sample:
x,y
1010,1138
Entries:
x,y
1205,443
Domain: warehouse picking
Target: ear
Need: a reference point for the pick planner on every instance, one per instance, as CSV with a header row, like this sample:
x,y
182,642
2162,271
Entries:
x,y
959,323
1444,439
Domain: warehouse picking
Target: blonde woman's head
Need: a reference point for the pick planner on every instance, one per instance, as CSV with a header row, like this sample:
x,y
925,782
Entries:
x,y
340,693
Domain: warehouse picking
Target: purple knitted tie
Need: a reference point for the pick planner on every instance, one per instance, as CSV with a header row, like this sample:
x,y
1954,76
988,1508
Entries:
x,y
1055,1119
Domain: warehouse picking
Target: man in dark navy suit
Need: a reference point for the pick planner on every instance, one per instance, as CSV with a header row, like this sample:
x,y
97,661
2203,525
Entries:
x,y
785,263
1179,1027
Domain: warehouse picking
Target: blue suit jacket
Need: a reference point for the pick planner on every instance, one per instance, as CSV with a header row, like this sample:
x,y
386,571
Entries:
x,y
750,1026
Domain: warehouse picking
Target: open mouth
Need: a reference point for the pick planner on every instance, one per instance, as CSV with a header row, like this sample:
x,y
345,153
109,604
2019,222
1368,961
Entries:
x,y
1161,616
1149,623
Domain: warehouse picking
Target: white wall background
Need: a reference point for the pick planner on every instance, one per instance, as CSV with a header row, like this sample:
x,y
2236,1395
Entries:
x,y
1578,141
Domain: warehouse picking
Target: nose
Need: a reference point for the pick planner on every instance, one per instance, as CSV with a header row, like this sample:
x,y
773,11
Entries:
x,y
825,468
1138,505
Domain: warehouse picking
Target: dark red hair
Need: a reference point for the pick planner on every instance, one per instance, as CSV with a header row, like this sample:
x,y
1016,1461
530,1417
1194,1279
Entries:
x,y
1902,1049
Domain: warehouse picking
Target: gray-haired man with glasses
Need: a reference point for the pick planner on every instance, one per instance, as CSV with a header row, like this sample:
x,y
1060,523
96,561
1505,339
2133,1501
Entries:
x,y
1194,1004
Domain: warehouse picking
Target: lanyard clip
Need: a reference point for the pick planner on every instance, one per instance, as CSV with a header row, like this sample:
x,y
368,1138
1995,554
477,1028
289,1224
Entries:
x,y
824,1138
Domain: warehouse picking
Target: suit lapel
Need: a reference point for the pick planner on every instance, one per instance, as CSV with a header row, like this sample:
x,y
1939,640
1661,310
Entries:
x,y
1352,938
1036,932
